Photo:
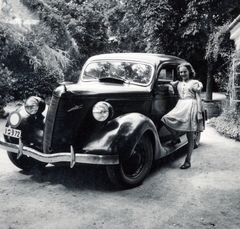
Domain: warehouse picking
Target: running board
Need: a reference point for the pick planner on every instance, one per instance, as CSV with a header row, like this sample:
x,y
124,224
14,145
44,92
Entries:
x,y
172,148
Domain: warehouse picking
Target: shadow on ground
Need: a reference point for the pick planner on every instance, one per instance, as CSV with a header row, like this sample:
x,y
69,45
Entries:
x,y
90,177
80,177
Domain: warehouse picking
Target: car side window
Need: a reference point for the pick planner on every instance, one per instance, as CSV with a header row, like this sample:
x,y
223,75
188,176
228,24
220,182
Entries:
x,y
166,74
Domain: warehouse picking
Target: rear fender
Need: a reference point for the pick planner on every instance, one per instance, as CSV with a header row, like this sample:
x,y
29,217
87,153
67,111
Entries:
x,y
119,136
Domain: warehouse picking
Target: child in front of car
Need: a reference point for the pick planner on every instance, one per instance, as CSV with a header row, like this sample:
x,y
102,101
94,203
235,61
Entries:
x,y
186,116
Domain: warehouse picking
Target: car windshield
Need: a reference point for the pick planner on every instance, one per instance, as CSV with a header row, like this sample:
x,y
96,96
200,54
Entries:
x,y
131,72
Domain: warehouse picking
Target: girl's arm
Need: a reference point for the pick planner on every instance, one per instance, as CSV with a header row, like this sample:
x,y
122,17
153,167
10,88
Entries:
x,y
199,100
174,83
199,105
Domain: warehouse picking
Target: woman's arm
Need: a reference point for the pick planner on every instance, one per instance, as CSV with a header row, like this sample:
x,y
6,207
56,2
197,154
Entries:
x,y
198,90
174,83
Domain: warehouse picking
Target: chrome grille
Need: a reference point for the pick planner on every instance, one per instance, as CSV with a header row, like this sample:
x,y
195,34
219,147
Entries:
x,y
47,139
64,118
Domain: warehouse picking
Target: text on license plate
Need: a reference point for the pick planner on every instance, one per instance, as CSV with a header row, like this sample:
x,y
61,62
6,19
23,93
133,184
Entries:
x,y
12,132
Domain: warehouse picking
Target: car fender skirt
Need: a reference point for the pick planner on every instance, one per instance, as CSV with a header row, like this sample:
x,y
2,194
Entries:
x,y
120,135
70,156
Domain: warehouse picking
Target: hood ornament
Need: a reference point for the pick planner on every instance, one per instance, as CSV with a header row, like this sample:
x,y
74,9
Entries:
x,y
77,107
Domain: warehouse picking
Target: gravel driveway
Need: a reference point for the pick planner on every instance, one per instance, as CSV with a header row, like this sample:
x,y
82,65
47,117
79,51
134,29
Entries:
x,y
205,196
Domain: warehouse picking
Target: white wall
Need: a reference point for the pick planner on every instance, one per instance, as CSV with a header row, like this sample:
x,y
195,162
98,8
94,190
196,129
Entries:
x,y
235,32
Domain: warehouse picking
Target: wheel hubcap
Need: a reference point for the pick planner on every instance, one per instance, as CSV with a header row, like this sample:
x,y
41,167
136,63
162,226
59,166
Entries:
x,y
133,166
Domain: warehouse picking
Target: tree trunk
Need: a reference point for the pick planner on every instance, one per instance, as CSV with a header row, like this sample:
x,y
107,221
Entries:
x,y
209,83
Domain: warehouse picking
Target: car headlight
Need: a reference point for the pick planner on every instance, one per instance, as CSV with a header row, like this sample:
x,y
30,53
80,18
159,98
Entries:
x,y
102,111
34,104
14,119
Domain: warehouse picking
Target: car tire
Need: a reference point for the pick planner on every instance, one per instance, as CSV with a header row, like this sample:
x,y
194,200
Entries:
x,y
132,172
197,136
25,163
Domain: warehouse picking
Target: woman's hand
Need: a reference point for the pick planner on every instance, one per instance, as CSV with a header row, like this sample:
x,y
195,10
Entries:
x,y
199,116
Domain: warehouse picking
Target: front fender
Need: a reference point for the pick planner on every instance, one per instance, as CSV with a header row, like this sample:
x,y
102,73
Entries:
x,y
31,127
119,136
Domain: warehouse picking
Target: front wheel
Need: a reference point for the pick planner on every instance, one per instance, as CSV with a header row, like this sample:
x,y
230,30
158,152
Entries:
x,y
132,172
25,163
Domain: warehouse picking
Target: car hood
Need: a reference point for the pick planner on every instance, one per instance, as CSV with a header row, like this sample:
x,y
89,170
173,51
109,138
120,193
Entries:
x,y
93,88
70,111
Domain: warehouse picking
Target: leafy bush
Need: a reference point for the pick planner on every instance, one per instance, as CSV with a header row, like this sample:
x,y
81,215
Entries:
x,y
228,123
40,83
30,65
43,54
5,86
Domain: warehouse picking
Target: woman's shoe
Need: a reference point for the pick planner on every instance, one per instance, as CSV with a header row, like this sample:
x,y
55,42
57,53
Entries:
x,y
174,142
186,165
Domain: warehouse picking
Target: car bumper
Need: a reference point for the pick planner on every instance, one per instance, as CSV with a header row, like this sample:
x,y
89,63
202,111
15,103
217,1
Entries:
x,y
71,156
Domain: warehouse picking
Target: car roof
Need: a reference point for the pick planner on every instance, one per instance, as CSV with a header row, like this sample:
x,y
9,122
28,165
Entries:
x,y
151,58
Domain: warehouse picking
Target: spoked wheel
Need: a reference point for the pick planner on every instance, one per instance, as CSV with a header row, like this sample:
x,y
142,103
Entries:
x,y
132,172
197,136
25,163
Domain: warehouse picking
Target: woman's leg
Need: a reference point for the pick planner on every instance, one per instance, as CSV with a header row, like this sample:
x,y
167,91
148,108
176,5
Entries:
x,y
190,137
173,132
187,163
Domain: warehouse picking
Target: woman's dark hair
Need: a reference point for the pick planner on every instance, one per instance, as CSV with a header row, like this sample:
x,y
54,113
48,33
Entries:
x,y
189,68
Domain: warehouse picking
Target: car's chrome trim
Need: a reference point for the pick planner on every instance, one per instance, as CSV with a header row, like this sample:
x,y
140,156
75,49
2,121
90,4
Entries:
x,y
71,156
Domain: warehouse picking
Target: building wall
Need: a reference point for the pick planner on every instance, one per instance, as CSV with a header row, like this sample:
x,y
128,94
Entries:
x,y
234,28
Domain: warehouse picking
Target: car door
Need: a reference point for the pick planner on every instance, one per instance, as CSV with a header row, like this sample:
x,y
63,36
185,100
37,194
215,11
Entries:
x,y
165,97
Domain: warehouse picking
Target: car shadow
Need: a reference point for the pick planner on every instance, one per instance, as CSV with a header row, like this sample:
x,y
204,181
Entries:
x,y
82,177
90,177
163,162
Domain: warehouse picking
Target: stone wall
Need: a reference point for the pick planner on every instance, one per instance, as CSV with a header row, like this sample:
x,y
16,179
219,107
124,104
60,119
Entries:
x,y
215,106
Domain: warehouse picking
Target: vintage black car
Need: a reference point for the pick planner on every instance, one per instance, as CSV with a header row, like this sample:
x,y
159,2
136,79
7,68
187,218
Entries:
x,y
111,117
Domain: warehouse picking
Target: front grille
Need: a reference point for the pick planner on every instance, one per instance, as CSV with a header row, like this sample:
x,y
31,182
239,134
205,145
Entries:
x,y
63,121
47,139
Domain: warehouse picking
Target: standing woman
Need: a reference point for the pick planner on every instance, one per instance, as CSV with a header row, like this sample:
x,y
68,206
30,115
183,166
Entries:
x,y
186,116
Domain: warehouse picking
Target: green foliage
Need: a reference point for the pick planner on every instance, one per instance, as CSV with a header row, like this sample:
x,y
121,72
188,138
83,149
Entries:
x,y
124,21
234,76
183,28
78,27
219,51
158,27
40,83
71,31
26,53
211,18
228,123
5,86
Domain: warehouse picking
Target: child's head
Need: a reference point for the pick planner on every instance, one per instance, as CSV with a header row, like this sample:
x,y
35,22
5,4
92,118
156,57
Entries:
x,y
189,68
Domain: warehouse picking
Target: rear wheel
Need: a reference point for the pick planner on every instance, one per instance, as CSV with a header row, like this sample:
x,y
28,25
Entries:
x,y
132,172
25,163
197,136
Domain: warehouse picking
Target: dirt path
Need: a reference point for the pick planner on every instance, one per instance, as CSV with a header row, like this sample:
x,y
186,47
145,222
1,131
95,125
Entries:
x,y
205,196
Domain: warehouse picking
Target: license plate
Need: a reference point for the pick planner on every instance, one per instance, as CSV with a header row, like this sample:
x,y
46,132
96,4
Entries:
x,y
12,132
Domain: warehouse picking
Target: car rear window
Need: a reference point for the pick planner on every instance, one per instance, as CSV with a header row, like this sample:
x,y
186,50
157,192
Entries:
x,y
131,72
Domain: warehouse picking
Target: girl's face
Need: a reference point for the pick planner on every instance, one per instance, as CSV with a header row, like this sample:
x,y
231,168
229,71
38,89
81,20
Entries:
x,y
184,73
